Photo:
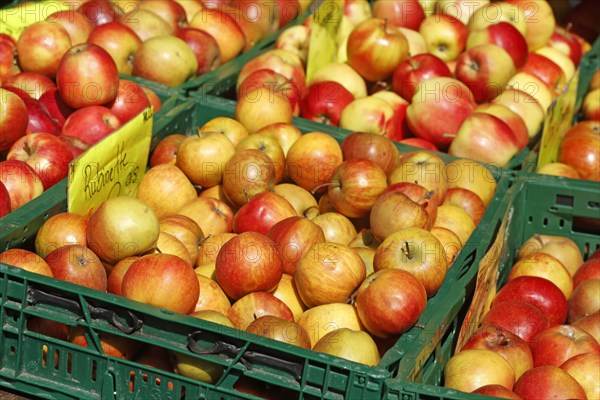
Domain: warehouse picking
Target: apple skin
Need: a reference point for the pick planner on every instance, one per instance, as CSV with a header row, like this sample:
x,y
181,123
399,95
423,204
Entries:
x,y
212,215
585,155
588,270
511,347
545,70
421,143
39,120
204,46
504,35
15,118
517,317
512,119
585,368
46,154
539,21
262,212
255,305
562,248
539,292
585,300
470,369
591,105
75,23
559,169
90,124
393,203
248,262
357,346
546,382
438,109
4,201
404,13
162,280
416,69
77,264
545,266
21,181
495,390
320,320
389,302
41,46
33,83
26,260
280,329
324,102
566,43
370,146
129,101
445,36
120,41
56,106
558,343
100,12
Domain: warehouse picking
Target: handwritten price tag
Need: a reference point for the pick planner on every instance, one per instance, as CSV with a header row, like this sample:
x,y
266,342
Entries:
x,y
323,35
112,167
14,20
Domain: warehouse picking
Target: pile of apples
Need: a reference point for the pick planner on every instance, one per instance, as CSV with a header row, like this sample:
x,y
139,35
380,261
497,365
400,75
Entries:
x,y
330,246
473,78
540,338
579,152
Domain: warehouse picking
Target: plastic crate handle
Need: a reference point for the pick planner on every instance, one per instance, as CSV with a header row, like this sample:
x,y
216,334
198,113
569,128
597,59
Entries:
x,y
247,359
35,296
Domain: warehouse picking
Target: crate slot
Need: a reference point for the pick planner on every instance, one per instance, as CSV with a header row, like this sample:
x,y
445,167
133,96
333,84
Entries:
x,y
565,200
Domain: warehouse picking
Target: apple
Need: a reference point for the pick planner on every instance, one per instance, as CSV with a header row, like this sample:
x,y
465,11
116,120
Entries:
x,y
584,300
508,345
146,24
129,101
324,102
496,12
539,292
120,41
121,227
470,369
525,105
495,390
591,105
255,305
33,83
21,181
417,251
486,138
223,28
185,229
169,244
57,109
509,117
539,19
110,344
485,69
559,169
288,293
262,106
562,60
336,227
328,273
227,126
545,266
27,260
261,212
343,74
390,301
588,270
368,114
162,280
518,317
505,35
445,36
301,199
420,143
294,39
59,230
15,118
46,154
76,145
90,124
562,248
75,23
41,46
585,155
115,276
248,262
4,201
271,147
438,108
558,343
450,242
280,329
471,175
370,146
8,59
357,346
264,15
178,62
212,215
562,40
416,69
202,157
585,368
209,246
212,297
461,9
100,12
545,70
190,7
204,46
402,13
530,84
320,320
247,173
77,264
39,120
170,11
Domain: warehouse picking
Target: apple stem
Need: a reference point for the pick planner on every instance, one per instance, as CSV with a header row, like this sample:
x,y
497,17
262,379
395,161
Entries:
x,y
406,251
352,298
27,148
446,134
385,23
426,196
157,249
246,194
321,186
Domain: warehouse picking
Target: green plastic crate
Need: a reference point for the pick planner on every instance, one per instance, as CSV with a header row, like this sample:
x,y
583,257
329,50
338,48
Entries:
x,y
535,205
321,376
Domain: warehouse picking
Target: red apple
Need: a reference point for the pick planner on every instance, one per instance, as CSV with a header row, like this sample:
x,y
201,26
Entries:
x,y
120,41
77,264
370,114
58,110
39,120
46,154
162,280
421,143
461,9
376,48
566,43
585,155
76,145
248,262
505,35
170,11
27,260
75,23
204,46
33,83
247,173
546,382
517,317
255,305
274,81
261,212
445,36
90,124
60,230
165,151
100,12
221,26
539,292
511,347
512,119
21,181
129,101
81,86
495,390
591,105
41,46
539,20
545,70
370,146
14,118
585,300
588,270
280,329
585,368
294,39
406,13
324,102
390,302
526,106
4,201
417,193
558,343
8,59
416,69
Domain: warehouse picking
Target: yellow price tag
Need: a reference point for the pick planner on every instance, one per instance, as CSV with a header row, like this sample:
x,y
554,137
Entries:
x,y
557,122
112,167
323,35
14,20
